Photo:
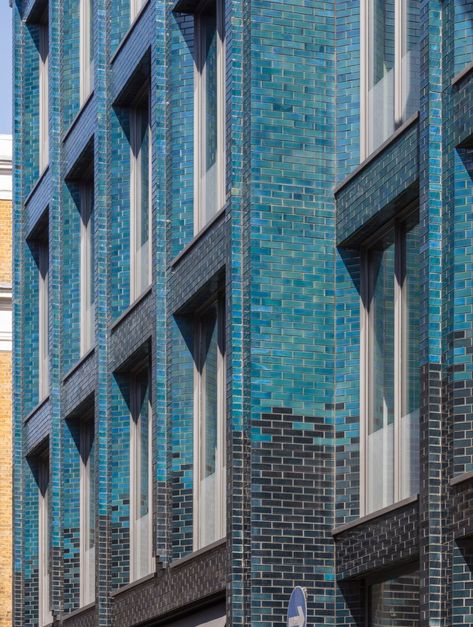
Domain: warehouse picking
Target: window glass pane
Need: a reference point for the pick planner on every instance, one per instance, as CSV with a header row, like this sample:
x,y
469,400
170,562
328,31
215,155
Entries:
x,y
141,199
395,603
144,209
209,427
87,268
380,471
88,515
410,344
381,49
43,541
43,95
43,306
410,58
209,160
141,506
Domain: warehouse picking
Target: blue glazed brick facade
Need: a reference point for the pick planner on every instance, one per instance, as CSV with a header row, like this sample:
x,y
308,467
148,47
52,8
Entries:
x,y
285,252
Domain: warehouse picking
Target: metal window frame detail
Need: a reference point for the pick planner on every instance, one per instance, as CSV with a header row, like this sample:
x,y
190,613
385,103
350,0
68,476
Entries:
x,y
398,226
200,111
199,421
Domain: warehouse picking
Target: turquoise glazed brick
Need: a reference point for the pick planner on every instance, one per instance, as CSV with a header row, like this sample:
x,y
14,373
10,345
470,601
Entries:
x,y
285,251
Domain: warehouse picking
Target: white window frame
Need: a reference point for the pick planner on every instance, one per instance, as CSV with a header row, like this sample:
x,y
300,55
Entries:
x,y
44,604
86,63
135,8
136,118
199,421
400,354
87,563
200,111
87,309
43,318
137,571
400,25
44,93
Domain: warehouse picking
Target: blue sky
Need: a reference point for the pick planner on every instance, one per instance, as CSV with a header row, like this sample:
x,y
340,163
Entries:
x,y
5,67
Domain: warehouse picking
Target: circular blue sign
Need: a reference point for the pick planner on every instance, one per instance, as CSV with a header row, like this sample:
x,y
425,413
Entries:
x,y
297,609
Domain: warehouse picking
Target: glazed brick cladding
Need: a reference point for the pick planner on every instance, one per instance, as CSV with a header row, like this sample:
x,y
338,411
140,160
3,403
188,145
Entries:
x,y
285,254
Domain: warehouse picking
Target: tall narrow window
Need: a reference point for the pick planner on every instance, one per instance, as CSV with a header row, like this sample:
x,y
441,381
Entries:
x,y
141,562
43,320
44,93
45,616
140,137
209,428
87,513
209,142
390,367
86,49
87,335
390,68
135,8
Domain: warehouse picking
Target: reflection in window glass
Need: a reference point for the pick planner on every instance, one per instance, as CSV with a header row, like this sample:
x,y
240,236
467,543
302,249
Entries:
x,y
391,78
391,388
210,428
381,414
381,71
140,199
141,477
210,94
411,355
395,602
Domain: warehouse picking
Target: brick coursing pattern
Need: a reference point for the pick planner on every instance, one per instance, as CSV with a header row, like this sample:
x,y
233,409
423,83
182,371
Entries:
x,y
378,544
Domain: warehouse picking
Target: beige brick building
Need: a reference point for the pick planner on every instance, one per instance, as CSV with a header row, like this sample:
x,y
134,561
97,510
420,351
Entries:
x,y
5,381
